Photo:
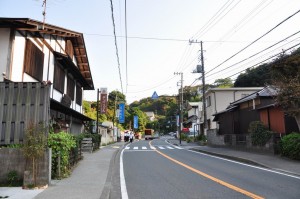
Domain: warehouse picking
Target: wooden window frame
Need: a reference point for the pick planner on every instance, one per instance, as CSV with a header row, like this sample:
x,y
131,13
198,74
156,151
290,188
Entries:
x,y
33,61
70,87
59,77
78,94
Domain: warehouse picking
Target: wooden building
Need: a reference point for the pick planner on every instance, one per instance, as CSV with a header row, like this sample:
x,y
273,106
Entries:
x,y
33,51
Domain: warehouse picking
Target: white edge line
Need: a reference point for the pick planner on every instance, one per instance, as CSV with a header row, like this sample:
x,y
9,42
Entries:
x,y
124,193
256,167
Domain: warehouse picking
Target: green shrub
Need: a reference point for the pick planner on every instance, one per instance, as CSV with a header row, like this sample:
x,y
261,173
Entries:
x,y
259,133
290,146
183,136
61,144
13,179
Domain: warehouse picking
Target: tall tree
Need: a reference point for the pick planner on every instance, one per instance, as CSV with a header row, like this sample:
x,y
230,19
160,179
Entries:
x,y
286,76
254,77
224,83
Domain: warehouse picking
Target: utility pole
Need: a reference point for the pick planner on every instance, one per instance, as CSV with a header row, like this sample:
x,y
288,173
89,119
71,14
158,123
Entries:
x,y
97,110
180,103
200,69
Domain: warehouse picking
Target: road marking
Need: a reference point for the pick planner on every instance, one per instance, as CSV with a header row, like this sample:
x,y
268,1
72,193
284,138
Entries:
x,y
127,147
143,147
135,148
152,147
124,193
177,147
248,165
161,147
230,186
169,147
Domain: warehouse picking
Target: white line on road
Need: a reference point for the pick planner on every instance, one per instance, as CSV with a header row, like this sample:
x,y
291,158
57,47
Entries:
x,y
248,165
143,147
170,147
161,147
124,193
135,148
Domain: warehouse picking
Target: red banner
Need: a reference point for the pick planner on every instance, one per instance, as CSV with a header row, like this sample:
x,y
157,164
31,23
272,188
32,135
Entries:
x,y
103,100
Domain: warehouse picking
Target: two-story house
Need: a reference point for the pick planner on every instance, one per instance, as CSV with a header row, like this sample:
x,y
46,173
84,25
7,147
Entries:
x,y
218,99
33,51
194,111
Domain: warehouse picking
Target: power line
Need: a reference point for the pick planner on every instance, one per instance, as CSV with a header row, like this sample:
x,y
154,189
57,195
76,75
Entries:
x,y
263,61
117,53
254,41
126,50
213,18
254,54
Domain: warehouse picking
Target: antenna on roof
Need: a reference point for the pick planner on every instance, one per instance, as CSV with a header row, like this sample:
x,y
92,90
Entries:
x,y
44,12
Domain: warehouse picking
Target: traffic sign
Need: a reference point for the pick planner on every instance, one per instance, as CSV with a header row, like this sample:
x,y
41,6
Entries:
x,y
154,96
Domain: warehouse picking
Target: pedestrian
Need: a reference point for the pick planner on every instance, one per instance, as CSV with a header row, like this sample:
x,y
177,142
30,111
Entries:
x,y
131,137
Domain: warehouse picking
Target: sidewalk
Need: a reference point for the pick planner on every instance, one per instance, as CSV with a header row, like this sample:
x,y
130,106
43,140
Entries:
x,y
86,181
270,161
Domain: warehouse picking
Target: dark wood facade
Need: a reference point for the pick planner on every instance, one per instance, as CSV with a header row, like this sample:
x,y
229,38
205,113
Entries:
x,y
258,107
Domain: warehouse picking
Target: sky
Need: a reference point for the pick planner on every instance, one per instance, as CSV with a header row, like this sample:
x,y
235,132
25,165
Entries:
x,y
236,35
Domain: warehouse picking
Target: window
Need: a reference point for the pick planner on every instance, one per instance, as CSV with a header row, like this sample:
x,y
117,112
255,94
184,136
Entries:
x,y
78,95
70,88
34,61
208,101
59,78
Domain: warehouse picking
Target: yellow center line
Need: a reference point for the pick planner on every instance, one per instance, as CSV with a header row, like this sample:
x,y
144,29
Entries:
x,y
247,193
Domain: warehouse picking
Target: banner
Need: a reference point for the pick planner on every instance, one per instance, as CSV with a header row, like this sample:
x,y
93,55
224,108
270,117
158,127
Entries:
x,y
121,113
103,100
177,120
135,122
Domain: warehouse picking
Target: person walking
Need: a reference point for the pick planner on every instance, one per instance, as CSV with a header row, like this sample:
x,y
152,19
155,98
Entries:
x,y
131,137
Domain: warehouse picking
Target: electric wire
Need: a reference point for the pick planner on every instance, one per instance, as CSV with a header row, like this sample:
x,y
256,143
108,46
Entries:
x,y
242,22
126,46
255,54
219,19
212,18
254,41
117,53
259,58
263,61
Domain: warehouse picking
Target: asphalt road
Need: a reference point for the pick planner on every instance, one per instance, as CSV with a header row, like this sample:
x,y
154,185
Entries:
x,y
156,169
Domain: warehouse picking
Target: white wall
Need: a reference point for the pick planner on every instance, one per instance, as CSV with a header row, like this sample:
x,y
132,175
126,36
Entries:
x,y
4,50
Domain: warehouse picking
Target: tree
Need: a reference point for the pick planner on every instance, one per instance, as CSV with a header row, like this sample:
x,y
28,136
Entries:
x,y
35,144
224,83
254,77
286,77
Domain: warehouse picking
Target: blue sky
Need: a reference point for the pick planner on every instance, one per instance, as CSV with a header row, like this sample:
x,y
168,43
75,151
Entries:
x,y
158,32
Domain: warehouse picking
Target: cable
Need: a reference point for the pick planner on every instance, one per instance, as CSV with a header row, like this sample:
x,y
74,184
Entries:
x,y
212,18
126,50
117,53
273,56
220,18
254,41
254,54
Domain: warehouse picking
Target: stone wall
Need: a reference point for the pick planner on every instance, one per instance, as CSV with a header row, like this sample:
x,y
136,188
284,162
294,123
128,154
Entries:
x,y
214,139
12,159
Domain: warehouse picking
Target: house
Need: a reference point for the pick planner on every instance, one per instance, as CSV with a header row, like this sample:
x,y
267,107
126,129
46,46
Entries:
x,y
194,111
259,106
33,51
150,115
217,99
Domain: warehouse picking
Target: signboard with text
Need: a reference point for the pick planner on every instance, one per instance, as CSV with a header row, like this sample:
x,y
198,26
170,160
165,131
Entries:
x,y
135,122
103,100
121,113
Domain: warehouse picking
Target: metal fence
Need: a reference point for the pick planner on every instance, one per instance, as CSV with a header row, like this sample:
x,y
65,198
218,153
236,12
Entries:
x,y
22,103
